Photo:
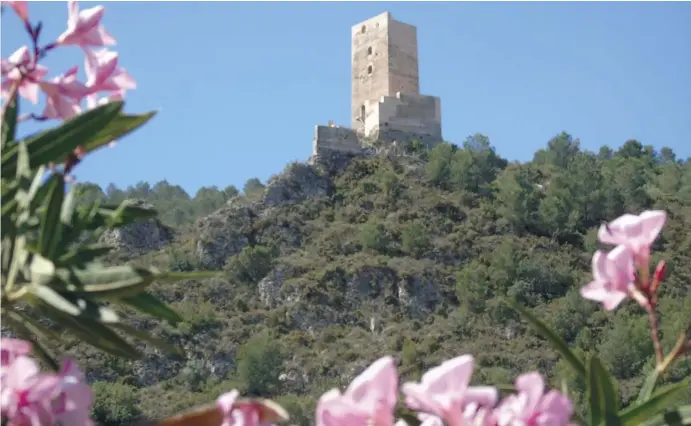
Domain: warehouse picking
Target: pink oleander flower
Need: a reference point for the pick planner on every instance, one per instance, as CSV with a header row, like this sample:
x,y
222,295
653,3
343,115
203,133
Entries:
x,y
84,28
635,231
614,277
72,406
29,86
10,349
21,8
532,406
370,398
444,392
103,73
64,94
26,394
226,404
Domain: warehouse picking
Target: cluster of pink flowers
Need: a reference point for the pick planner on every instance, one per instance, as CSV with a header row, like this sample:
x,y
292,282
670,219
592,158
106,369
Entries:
x,y
624,272
64,93
31,397
443,397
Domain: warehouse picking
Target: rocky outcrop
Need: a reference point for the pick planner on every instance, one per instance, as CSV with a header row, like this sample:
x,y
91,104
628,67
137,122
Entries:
x,y
415,294
224,233
297,183
139,237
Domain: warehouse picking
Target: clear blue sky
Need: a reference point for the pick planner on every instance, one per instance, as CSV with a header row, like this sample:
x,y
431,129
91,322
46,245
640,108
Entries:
x,y
240,86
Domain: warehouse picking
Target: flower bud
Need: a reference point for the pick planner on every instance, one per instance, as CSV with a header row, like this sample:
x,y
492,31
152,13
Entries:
x,y
658,276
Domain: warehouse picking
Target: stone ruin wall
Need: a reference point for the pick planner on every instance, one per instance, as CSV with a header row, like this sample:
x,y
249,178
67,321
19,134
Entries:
x,y
403,118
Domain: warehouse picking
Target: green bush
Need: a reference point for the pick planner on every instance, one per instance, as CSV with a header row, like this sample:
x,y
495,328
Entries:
x,y
115,403
260,361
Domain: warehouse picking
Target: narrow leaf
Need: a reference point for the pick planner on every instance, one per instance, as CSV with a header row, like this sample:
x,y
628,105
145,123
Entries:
x,y
71,305
602,398
154,341
91,332
82,255
148,304
50,235
116,129
68,205
648,386
9,121
560,345
54,145
680,416
24,331
42,270
638,413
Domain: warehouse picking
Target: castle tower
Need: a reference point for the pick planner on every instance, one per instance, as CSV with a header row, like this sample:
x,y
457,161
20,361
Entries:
x,y
386,104
386,97
384,61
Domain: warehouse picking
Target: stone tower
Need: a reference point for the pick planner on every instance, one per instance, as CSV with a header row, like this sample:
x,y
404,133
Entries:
x,y
386,104
386,100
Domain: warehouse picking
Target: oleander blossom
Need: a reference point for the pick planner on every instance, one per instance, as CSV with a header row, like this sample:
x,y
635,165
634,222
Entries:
x,y
638,232
84,27
12,68
29,397
444,392
369,399
613,277
532,406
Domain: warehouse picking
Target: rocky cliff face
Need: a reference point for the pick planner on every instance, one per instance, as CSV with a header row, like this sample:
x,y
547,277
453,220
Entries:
x,y
139,237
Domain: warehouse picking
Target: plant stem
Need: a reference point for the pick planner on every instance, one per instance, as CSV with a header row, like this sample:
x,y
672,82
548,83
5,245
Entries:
x,y
655,334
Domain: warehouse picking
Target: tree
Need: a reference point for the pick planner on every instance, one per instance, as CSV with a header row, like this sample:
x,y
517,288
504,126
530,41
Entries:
x,y
252,187
259,365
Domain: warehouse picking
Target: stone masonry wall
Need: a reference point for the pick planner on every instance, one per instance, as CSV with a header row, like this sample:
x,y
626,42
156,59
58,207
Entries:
x,y
335,139
416,115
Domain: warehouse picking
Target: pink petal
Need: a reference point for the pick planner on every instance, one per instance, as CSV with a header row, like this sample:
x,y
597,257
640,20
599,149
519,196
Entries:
x,y
21,8
532,385
13,348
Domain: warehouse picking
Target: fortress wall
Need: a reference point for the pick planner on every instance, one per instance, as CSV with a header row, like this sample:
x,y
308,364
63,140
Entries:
x,y
339,139
405,113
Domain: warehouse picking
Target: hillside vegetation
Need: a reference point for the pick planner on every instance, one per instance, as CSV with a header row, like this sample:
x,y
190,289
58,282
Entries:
x,y
410,255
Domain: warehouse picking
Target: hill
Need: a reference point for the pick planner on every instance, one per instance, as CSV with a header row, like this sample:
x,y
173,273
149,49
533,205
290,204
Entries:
x,y
334,263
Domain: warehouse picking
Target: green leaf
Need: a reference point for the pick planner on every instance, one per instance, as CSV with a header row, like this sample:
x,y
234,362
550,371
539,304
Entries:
x,y
9,122
91,332
71,305
560,345
680,416
114,282
68,205
54,145
148,304
50,235
602,397
117,128
154,341
638,413
28,332
81,255
42,270
648,386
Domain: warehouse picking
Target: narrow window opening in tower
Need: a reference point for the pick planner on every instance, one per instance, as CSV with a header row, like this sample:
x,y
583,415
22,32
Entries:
x,y
369,50
363,29
362,113
369,69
